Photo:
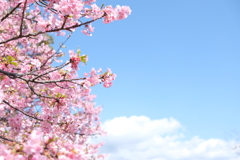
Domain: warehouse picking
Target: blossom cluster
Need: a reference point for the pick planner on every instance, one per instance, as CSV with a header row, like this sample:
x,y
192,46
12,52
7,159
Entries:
x,y
47,111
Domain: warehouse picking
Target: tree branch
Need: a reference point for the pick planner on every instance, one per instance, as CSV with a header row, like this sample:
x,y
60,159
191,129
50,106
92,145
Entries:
x,y
4,119
50,71
39,95
6,139
26,114
56,51
10,12
34,117
9,74
53,30
23,12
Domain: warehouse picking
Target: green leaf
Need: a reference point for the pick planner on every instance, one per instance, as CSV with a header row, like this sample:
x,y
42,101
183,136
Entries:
x,y
102,6
14,63
52,140
78,52
2,77
15,48
59,95
105,73
10,59
84,58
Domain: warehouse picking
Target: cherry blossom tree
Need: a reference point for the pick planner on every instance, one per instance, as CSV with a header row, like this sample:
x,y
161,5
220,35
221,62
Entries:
x,y
47,111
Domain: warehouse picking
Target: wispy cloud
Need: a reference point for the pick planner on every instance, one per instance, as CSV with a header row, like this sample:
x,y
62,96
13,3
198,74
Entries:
x,y
140,138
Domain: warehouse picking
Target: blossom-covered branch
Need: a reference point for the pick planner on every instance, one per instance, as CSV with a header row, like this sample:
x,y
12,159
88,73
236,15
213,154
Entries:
x,y
47,111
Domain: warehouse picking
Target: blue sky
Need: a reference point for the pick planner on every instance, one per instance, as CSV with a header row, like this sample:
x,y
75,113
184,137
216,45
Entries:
x,y
173,59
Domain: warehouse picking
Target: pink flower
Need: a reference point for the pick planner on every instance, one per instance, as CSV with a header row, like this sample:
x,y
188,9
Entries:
x,y
75,61
89,1
36,62
33,145
107,83
41,25
52,103
123,12
88,29
1,95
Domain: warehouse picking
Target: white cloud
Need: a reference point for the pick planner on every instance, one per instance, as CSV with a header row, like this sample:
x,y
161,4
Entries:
x,y
140,138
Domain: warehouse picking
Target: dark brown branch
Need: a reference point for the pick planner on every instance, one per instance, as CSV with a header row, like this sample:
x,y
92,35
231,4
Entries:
x,y
23,11
6,139
10,12
15,75
74,26
9,74
47,59
39,95
57,50
3,119
59,86
64,21
56,81
20,76
53,30
42,5
51,71
26,114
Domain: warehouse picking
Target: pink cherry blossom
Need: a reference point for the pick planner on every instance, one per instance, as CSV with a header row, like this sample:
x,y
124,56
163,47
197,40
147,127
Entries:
x,y
75,61
47,110
33,145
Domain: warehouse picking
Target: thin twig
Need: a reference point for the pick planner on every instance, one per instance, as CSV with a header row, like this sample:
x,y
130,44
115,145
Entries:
x,y
50,71
57,50
39,95
56,81
7,139
34,117
10,12
53,30
26,114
